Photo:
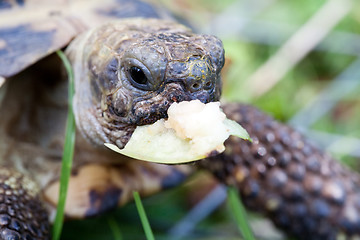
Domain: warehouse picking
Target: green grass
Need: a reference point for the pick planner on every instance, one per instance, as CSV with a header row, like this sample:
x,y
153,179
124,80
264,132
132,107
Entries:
x,y
144,220
115,228
239,212
67,153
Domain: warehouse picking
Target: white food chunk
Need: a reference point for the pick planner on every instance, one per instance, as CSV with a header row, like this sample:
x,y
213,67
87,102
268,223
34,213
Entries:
x,y
193,131
200,124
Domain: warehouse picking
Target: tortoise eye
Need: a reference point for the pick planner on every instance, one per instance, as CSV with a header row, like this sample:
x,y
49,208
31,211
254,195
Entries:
x,y
138,76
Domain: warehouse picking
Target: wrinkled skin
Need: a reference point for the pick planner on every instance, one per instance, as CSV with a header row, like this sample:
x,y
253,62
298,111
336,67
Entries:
x,y
128,74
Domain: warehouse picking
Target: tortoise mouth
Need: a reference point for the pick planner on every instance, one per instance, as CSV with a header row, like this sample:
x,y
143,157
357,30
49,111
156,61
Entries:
x,y
121,112
150,110
152,118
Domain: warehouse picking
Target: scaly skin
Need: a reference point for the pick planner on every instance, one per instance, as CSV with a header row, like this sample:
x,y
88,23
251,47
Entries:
x,y
174,63
303,190
22,215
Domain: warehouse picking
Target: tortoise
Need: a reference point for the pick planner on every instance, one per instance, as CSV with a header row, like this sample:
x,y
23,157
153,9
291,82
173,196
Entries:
x,y
134,60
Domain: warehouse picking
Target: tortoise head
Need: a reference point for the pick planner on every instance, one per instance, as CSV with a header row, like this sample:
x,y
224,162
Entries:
x,y
128,74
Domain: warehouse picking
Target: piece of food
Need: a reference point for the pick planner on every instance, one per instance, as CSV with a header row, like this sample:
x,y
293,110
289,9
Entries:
x,y
193,131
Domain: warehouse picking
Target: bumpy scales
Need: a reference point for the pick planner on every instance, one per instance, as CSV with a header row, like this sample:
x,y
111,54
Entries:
x,y
22,212
281,174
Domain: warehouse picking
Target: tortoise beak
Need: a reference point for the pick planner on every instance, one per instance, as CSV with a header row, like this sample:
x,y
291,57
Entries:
x,y
203,96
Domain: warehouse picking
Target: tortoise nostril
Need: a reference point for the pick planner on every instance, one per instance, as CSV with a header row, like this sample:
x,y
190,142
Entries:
x,y
195,86
208,85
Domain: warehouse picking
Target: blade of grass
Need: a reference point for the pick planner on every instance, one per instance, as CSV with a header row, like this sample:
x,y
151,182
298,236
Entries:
x,y
144,220
239,213
68,151
114,228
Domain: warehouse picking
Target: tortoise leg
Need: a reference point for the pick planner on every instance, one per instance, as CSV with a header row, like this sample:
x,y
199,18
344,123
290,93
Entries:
x,y
303,190
22,213
97,188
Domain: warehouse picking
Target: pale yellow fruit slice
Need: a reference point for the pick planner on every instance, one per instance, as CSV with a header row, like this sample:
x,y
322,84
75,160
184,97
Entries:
x,y
193,131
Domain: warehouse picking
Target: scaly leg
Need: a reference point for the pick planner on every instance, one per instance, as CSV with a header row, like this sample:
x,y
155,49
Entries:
x,y
303,190
22,213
